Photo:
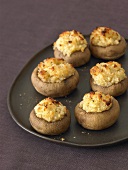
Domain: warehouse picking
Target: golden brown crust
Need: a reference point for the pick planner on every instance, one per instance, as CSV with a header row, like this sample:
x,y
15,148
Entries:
x,y
50,128
61,89
69,42
98,121
54,70
113,90
77,59
96,102
50,110
104,36
111,52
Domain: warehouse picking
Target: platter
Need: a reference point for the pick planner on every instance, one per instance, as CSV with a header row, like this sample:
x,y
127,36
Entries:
x,y
22,97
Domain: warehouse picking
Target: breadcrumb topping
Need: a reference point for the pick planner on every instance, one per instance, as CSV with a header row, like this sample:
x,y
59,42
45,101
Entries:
x,y
107,74
70,42
104,36
54,70
50,110
96,102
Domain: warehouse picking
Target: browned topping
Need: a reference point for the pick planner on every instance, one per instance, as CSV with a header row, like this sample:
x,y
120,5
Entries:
x,y
107,102
104,36
50,110
54,70
106,74
70,42
103,32
96,102
91,94
106,30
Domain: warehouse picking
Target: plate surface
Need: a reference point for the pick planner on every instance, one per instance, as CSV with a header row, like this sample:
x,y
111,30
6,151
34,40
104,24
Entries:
x,y
22,98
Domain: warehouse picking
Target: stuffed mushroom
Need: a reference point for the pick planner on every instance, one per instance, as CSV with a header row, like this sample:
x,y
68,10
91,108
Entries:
x,y
50,117
109,78
54,78
72,47
106,43
97,111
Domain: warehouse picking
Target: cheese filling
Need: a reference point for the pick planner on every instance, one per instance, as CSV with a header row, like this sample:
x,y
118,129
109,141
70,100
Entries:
x,y
53,70
50,110
104,36
107,74
96,102
70,42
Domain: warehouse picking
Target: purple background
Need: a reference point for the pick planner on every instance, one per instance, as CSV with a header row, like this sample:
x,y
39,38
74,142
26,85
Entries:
x,y
26,27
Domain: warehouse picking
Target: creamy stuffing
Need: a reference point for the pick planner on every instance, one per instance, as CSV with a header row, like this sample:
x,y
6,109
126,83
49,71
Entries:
x,y
104,36
53,70
107,74
70,42
96,102
50,110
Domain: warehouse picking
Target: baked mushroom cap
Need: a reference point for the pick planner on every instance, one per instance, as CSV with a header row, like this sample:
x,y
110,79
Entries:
x,y
109,78
54,77
111,52
60,89
107,44
72,47
50,117
114,90
98,120
77,58
50,128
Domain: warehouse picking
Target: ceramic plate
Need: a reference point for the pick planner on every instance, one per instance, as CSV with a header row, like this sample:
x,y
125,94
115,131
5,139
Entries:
x,y
22,98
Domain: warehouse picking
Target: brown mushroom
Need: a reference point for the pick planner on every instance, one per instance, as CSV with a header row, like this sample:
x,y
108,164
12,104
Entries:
x,y
111,52
77,58
98,120
60,89
50,128
114,90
